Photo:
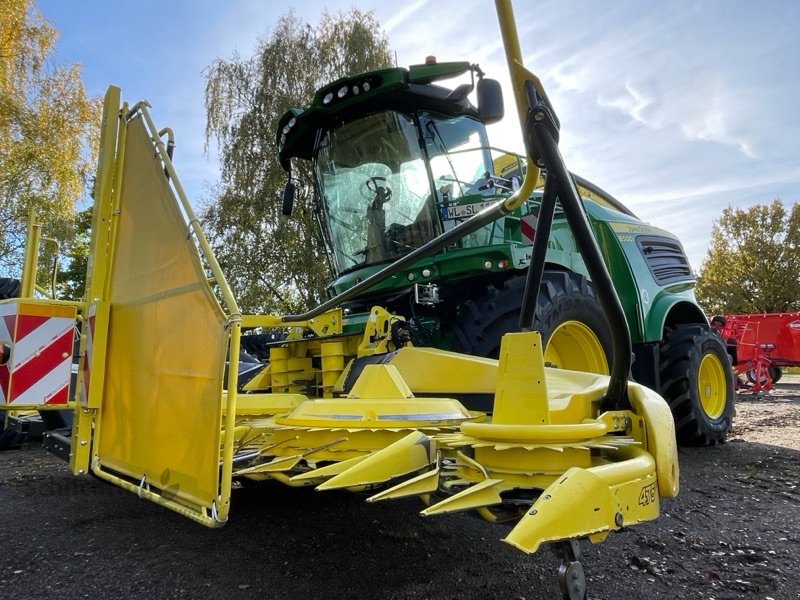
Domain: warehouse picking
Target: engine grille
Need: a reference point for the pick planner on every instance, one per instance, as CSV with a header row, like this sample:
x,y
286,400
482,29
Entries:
x,y
665,259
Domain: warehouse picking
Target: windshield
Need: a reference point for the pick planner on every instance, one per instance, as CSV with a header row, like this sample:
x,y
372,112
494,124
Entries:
x,y
380,200
374,188
463,174
459,154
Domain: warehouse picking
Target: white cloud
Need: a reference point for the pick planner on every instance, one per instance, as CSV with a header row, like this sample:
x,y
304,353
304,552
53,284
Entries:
x,y
402,16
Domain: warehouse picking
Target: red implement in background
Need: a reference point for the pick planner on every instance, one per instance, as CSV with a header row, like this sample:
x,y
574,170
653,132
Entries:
x,y
761,344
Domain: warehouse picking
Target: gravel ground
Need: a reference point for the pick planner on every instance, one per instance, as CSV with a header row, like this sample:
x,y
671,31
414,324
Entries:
x,y
733,533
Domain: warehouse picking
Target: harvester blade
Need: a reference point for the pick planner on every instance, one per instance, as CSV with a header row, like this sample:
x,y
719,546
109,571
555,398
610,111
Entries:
x,y
425,483
284,463
479,495
410,454
330,470
287,463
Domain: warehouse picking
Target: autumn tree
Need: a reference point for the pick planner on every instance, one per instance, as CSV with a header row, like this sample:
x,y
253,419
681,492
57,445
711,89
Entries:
x,y
48,131
275,263
753,262
72,278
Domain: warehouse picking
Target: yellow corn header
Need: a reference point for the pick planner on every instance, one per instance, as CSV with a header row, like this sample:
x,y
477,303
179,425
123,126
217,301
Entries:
x,y
158,412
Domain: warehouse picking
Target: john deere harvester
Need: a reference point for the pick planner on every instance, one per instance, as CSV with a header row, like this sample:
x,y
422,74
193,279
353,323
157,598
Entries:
x,y
399,161
356,401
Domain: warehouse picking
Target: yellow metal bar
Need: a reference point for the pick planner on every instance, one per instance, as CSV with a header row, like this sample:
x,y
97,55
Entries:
x,y
508,30
229,419
268,321
143,491
111,206
28,283
109,164
327,323
194,223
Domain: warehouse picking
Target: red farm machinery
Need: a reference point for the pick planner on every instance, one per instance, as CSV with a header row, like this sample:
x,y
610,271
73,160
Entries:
x,y
761,345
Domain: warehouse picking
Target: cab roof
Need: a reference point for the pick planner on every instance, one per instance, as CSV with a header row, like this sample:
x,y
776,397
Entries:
x,y
348,98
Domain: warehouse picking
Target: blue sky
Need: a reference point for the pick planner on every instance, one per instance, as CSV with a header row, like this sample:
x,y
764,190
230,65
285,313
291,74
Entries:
x,y
677,108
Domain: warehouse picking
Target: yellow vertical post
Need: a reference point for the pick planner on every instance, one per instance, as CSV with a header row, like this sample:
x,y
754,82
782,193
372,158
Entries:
x,y
229,424
107,171
112,139
519,75
28,284
508,31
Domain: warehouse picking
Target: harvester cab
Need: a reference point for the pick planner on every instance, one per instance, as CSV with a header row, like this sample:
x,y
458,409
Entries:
x,y
564,455
411,167
378,196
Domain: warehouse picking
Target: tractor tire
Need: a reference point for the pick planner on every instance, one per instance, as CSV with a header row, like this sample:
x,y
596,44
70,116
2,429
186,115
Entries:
x,y
697,382
9,288
775,374
569,317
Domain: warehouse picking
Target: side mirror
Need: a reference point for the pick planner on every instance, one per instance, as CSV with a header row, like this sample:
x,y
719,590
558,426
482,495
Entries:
x,y
490,101
288,198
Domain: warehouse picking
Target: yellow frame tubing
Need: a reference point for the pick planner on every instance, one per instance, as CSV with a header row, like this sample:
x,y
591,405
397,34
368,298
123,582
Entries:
x,y
29,266
109,170
518,73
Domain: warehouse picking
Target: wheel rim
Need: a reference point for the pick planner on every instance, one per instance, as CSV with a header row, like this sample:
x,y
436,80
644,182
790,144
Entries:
x,y
711,386
575,347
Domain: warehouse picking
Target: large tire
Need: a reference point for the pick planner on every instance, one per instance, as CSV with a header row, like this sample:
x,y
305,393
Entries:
x,y
9,288
568,315
775,374
697,382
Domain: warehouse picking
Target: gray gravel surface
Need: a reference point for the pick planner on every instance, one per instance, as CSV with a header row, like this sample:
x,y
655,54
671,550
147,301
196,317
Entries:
x,y
733,533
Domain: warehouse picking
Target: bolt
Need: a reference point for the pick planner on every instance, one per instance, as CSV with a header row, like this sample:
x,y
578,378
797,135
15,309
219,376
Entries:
x,y
532,512
538,116
618,519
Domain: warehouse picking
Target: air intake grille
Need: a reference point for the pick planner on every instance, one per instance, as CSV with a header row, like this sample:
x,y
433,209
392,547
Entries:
x,y
665,259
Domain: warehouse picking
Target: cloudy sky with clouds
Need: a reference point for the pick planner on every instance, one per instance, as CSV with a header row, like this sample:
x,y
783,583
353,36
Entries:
x,y
678,108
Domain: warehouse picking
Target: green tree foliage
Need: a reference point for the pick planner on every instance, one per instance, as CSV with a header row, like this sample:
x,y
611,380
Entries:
x,y
276,264
48,133
753,263
72,279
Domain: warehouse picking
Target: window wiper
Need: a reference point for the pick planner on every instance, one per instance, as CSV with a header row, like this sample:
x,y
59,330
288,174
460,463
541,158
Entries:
x,y
436,136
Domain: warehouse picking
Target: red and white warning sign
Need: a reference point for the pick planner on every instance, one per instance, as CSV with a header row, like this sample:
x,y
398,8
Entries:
x,y
38,369
527,228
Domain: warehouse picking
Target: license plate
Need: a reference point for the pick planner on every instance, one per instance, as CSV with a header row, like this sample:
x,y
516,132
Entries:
x,y
463,210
